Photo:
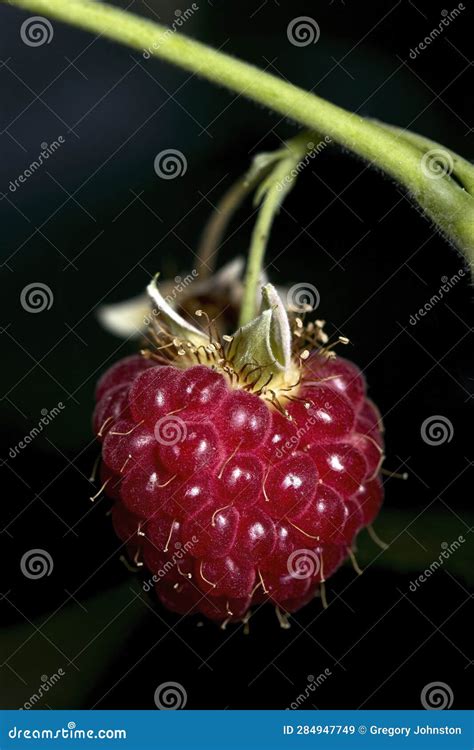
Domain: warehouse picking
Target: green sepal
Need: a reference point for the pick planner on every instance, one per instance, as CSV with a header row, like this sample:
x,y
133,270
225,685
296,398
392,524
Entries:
x,y
262,347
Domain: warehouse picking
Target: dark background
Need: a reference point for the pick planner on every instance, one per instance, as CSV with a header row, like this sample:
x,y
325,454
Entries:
x,y
96,222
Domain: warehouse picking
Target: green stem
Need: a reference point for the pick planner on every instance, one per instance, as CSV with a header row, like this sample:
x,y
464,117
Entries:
x,y
443,200
271,194
462,169
225,209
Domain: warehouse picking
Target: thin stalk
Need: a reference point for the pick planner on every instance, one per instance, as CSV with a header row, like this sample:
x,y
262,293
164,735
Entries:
x,y
270,194
221,216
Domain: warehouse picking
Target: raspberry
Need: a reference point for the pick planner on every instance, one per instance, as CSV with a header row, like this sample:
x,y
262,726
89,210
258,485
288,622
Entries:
x,y
233,494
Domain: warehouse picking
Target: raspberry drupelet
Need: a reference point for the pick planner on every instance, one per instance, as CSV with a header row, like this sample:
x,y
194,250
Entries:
x,y
233,486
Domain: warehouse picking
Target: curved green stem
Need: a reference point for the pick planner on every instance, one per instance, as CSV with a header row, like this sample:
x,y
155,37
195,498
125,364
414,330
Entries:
x,y
443,200
270,194
225,209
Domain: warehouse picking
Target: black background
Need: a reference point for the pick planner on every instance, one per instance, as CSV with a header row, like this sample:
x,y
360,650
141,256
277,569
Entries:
x,y
95,223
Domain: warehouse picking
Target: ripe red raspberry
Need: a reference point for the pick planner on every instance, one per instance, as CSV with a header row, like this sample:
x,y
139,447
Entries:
x,y
231,494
